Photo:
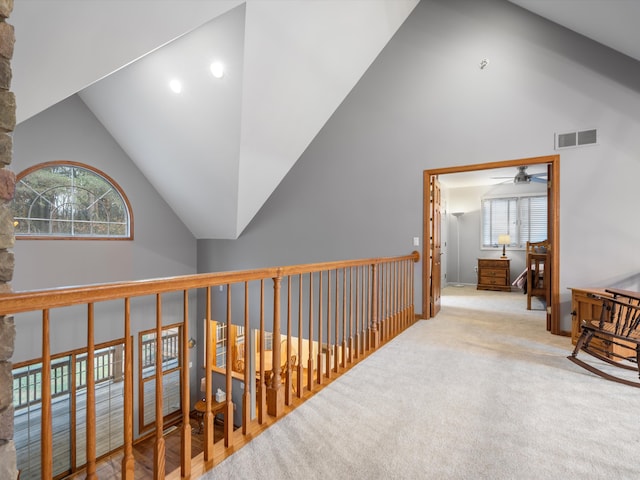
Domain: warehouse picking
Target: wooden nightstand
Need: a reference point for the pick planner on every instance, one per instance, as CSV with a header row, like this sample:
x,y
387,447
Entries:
x,y
494,274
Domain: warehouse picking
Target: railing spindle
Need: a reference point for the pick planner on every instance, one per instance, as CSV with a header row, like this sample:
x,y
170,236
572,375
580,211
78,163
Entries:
x,y
246,396
46,438
185,437
328,349
344,318
275,397
299,377
289,370
159,450
91,397
208,367
310,362
319,361
128,461
262,393
228,416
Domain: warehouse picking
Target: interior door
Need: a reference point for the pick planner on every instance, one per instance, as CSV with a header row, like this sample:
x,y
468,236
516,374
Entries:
x,y
550,235
435,246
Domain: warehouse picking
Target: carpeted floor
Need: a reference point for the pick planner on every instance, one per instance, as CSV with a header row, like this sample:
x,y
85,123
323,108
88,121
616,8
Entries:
x,y
480,392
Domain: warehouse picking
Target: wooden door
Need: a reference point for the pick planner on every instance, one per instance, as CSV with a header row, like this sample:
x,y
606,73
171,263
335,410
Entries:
x,y
435,246
550,225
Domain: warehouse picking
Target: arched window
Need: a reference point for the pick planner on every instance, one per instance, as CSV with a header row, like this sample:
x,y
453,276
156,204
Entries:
x,y
70,200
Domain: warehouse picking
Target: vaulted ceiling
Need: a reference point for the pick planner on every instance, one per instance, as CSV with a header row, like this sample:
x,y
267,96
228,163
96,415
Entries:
x,y
218,149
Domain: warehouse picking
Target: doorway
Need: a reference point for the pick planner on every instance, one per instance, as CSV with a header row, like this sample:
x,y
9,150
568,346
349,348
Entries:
x,y
432,228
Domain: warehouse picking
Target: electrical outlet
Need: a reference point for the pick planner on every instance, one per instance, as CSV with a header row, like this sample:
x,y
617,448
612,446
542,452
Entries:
x,y
476,268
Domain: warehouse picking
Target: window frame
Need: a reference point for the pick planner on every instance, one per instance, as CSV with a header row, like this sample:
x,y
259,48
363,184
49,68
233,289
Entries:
x,y
515,226
95,171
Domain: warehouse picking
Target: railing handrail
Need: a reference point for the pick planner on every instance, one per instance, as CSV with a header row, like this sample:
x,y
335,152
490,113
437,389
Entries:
x,y
25,301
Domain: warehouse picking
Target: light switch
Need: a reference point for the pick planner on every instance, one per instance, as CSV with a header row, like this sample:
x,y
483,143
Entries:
x,y
416,241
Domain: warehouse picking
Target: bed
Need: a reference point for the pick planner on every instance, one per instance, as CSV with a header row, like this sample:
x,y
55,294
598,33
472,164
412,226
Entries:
x,y
534,278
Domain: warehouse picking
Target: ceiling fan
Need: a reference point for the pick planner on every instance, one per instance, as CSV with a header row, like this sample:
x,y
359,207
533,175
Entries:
x,y
523,177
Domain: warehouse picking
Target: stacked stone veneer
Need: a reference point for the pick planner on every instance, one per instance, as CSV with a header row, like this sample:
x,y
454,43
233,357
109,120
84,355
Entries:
x,y
8,468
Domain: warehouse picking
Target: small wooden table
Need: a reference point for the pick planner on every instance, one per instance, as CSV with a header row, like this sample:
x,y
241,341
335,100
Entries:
x,y
201,407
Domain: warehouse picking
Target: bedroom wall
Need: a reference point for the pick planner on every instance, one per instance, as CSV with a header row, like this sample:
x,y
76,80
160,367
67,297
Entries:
x,y
468,200
425,103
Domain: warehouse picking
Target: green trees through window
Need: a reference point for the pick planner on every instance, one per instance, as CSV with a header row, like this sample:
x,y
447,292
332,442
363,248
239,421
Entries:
x,y
67,199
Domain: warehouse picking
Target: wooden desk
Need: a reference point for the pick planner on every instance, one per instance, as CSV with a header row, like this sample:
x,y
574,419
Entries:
x,y
201,407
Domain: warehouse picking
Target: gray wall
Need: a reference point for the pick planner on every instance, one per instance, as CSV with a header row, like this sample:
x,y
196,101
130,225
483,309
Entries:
x,y
425,103
162,245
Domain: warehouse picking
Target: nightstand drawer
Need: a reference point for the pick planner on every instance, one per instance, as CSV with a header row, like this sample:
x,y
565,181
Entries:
x,y
489,272
488,280
484,263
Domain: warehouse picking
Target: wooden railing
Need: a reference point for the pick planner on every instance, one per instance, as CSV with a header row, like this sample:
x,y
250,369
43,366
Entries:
x,y
336,313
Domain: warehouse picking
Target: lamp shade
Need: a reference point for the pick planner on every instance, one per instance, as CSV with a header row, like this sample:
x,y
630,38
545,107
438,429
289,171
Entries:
x,y
504,239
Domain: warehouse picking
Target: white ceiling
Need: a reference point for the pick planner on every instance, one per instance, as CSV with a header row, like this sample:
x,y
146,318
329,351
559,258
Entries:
x,y
218,150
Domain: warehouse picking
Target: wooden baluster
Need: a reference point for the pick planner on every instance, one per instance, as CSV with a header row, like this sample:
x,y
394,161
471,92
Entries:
x,y
328,349
345,319
310,362
336,340
319,368
401,297
46,435
275,397
185,438
381,296
299,377
228,416
262,391
356,338
366,303
209,347
128,460
407,282
91,397
390,312
287,382
394,297
373,289
411,291
159,450
246,396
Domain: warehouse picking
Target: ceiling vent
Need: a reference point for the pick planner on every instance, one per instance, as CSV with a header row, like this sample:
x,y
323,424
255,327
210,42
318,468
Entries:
x,y
576,139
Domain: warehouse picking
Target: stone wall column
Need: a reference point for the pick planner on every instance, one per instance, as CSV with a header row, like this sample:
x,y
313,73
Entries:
x,y
8,467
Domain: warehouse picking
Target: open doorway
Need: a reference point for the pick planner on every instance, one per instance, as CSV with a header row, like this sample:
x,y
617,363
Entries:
x,y
432,229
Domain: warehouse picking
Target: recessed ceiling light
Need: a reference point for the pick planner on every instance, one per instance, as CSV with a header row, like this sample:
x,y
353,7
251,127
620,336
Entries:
x,y
175,85
217,69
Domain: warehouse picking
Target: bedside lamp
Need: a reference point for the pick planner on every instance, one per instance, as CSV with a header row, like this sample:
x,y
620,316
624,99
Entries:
x,y
504,240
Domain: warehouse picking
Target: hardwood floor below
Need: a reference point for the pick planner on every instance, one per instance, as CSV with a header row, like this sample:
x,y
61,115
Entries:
x,y
111,466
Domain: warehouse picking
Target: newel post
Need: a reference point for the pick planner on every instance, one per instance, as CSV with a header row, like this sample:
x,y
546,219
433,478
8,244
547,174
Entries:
x,y
374,331
275,392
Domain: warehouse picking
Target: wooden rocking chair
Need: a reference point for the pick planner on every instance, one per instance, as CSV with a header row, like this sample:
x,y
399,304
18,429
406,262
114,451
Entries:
x,y
614,338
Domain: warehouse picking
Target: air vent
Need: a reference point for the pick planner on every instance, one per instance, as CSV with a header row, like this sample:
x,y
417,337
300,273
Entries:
x,y
576,139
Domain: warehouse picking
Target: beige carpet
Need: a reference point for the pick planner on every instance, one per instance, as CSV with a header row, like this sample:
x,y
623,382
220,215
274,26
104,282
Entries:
x,y
480,392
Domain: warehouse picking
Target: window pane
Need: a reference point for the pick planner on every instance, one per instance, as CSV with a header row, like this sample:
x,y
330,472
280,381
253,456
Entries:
x,y
523,218
68,200
498,218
